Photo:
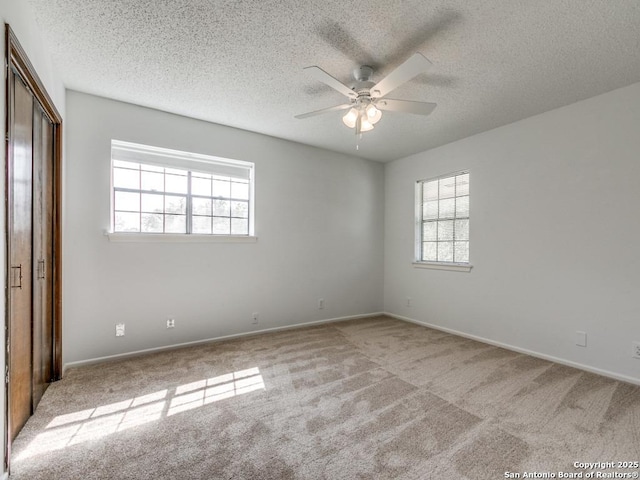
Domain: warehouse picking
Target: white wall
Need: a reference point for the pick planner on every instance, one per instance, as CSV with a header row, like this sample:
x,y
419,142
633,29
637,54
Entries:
x,y
19,17
554,235
319,222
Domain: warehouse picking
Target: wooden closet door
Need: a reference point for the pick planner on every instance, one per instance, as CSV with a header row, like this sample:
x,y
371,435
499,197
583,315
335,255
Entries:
x,y
42,252
19,224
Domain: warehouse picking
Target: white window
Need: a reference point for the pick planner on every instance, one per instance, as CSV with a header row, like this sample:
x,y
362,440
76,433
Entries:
x,y
156,190
442,214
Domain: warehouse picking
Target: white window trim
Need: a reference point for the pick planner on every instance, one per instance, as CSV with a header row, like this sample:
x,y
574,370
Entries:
x,y
453,267
450,266
135,237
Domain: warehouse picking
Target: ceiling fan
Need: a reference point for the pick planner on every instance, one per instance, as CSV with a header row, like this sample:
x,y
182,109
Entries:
x,y
367,99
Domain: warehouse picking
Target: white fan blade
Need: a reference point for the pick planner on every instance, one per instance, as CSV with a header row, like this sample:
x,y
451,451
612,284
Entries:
x,y
324,110
405,106
416,64
327,79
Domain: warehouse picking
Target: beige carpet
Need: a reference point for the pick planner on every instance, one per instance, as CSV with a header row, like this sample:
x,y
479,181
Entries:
x,y
364,399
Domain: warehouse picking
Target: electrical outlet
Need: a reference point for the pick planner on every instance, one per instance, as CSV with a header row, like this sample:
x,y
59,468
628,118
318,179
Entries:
x,y
409,301
636,350
171,323
119,329
320,303
254,316
581,339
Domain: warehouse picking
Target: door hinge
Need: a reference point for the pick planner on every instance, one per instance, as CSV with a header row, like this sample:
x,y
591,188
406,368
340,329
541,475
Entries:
x,y
17,276
6,374
41,268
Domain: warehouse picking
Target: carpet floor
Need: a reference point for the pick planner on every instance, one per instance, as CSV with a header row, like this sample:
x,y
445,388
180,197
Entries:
x,y
373,398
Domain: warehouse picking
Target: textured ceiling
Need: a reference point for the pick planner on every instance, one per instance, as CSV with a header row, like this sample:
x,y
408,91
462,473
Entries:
x,y
240,62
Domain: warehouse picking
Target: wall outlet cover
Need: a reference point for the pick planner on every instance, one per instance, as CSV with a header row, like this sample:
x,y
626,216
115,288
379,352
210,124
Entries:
x,y
581,338
119,329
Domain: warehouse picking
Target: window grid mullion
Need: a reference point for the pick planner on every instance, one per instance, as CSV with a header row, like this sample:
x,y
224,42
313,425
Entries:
x,y
140,199
455,212
189,206
421,246
438,227
164,200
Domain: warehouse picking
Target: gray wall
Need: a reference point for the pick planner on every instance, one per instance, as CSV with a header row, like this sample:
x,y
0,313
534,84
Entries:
x,y
554,235
319,223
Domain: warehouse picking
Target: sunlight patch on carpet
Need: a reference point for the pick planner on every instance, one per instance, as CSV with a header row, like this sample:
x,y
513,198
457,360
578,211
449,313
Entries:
x,y
203,392
94,423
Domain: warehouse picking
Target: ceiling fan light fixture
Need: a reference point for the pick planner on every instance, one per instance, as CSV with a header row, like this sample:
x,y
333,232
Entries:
x,y
365,124
350,118
373,114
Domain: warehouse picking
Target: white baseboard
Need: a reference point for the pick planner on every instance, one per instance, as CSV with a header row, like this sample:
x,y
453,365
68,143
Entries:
x,y
569,363
136,353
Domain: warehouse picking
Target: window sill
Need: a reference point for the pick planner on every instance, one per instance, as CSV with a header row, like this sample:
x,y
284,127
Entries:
x,y
453,267
178,238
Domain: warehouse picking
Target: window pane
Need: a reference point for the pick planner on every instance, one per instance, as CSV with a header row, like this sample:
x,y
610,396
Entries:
x,y
430,190
221,188
127,201
240,209
447,187
445,251
152,203
175,224
127,222
175,171
202,225
153,181
240,191
462,184
152,222
429,231
462,230
221,226
461,252
123,178
176,183
173,204
462,207
239,226
445,230
201,206
447,208
201,186
429,251
430,210
222,208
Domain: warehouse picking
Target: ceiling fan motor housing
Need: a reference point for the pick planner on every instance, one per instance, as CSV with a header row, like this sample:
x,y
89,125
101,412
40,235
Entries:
x,y
363,73
362,86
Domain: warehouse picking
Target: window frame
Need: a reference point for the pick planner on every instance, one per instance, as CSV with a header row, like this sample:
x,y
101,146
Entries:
x,y
191,164
419,222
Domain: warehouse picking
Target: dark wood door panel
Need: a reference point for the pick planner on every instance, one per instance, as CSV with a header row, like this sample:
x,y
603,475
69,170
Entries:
x,y
42,253
20,256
